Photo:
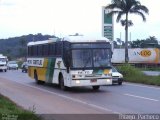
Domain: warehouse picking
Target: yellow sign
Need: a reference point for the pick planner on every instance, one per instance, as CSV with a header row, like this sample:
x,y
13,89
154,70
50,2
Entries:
x,y
106,71
146,53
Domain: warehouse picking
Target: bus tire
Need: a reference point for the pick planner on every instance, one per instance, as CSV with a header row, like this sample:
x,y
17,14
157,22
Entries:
x,y
5,70
61,83
96,87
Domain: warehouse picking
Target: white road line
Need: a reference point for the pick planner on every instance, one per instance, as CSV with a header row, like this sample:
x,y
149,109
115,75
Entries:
x,y
141,97
145,86
73,99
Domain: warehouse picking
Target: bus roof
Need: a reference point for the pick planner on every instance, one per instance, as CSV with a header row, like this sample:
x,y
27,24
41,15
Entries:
x,y
84,39
71,39
1,56
51,40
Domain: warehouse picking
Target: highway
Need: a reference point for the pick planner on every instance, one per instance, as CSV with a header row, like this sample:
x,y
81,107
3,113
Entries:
x,y
129,98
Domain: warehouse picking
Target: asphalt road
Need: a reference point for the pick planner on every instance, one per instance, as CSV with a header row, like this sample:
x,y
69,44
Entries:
x,y
151,73
49,99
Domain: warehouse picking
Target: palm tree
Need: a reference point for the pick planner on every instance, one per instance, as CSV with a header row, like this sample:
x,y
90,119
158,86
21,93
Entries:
x,y
153,38
124,22
151,42
126,7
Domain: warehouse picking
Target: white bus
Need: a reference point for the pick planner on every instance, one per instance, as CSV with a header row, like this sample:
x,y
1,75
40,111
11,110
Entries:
x,y
3,63
71,61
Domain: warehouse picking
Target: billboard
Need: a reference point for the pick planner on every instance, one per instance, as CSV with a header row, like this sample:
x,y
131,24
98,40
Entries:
x,y
107,24
137,55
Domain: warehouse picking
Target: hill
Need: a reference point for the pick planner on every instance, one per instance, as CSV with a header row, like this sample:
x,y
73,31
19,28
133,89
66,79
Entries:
x,y
16,47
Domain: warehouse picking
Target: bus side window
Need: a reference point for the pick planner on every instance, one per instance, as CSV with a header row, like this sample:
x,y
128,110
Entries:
x,y
45,50
58,48
51,49
35,51
32,50
40,50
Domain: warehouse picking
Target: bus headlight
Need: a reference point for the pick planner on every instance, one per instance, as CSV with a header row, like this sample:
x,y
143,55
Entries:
x,y
77,81
108,80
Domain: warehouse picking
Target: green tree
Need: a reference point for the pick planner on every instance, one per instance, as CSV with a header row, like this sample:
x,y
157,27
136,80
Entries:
x,y
153,39
151,42
115,44
22,42
137,43
126,7
23,47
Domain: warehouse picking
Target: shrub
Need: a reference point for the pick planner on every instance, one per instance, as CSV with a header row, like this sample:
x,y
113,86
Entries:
x,y
128,70
132,74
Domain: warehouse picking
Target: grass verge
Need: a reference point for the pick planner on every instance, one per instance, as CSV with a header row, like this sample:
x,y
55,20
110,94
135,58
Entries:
x,y
132,74
10,111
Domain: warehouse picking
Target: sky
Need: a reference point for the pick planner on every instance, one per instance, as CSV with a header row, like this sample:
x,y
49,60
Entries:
x,y
67,17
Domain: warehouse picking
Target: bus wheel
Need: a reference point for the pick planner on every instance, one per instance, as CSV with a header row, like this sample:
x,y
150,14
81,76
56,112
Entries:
x,y
5,70
61,83
96,87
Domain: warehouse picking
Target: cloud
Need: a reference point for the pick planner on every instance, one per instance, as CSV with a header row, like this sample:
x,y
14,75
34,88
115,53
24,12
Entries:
x,y
47,16
65,17
7,3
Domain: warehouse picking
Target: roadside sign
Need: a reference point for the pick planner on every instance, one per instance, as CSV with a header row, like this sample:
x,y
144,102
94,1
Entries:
x,y
107,24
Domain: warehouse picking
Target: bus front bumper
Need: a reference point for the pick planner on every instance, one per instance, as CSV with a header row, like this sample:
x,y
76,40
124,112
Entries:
x,y
3,67
91,82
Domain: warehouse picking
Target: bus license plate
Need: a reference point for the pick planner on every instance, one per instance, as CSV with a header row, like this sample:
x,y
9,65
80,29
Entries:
x,y
93,80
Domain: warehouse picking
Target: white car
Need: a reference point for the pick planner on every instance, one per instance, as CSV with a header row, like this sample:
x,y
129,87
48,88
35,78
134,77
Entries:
x,y
12,65
3,63
116,76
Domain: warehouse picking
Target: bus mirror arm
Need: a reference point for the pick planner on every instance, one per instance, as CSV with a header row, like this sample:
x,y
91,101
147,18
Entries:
x,y
67,69
68,66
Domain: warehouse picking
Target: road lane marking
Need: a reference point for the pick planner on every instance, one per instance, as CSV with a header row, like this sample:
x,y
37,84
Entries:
x,y
72,99
141,97
145,86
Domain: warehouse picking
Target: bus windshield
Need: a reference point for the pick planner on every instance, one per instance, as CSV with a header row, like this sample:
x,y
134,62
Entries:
x,y
85,58
3,59
101,58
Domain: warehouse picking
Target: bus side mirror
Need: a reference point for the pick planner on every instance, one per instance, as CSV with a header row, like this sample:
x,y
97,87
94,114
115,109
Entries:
x,y
111,54
68,61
